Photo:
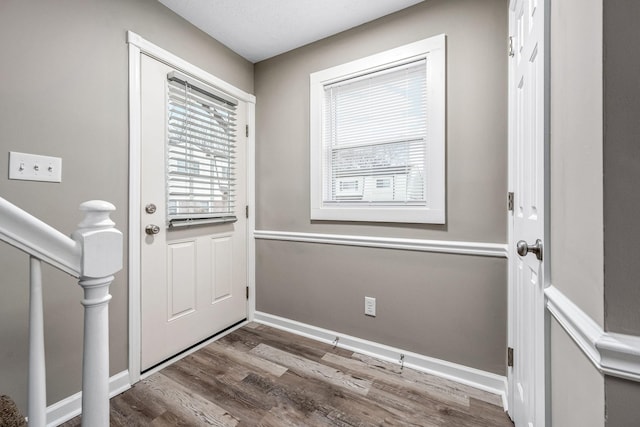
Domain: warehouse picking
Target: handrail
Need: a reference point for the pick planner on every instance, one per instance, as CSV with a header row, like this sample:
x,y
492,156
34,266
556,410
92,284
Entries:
x,y
93,254
27,233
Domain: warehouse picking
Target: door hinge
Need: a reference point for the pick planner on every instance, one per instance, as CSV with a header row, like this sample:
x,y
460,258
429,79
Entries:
x,y
246,211
510,200
510,51
509,356
246,131
247,292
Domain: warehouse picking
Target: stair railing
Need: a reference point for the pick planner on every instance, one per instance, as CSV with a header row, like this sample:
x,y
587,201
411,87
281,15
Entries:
x,y
93,254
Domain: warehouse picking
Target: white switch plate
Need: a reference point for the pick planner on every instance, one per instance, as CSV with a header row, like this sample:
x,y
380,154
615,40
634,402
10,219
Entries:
x,y
370,306
31,167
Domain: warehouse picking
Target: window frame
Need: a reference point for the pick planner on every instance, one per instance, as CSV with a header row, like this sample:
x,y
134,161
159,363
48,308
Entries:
x,y
433,49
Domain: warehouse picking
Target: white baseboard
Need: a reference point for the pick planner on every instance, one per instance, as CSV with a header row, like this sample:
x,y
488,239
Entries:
x,y
612,354
476,378
70,407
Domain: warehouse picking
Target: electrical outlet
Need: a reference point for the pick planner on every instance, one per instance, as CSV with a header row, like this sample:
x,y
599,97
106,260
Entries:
x,y
31,167
370,306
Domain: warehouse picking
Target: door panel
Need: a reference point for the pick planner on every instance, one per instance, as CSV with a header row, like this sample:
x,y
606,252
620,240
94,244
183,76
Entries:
x,y
193,277
221,271
527,90
181,280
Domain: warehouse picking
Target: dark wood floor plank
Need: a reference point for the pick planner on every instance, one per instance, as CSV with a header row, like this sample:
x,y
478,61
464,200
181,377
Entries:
x,y
126,412
313,369
138,407
414,406
168,419
261,376
429,380
247,406
324,403
246,359
294,344
184,402
401,379
495,415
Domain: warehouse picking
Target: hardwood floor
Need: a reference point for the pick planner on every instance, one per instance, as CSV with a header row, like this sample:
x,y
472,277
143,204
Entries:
x,y
260,376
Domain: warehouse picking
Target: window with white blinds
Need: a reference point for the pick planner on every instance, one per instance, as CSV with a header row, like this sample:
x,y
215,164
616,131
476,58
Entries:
x,y
377,137
374,137
200,155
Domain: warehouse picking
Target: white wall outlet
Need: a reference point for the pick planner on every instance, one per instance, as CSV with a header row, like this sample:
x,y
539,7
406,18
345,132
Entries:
x,y
31,167
370,306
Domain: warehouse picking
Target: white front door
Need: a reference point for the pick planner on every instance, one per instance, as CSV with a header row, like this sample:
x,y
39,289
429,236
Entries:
x,y
193,277
527,145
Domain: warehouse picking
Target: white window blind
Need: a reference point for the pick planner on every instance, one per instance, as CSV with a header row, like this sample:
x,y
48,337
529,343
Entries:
x,y
374,138
200,152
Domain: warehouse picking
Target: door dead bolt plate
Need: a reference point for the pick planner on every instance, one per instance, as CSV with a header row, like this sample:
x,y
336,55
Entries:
x,y
150,208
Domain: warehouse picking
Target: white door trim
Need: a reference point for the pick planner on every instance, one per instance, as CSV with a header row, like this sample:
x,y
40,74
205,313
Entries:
x,y
542,381
138,46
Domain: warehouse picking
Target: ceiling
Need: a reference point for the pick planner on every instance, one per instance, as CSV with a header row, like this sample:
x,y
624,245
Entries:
x,y
261,29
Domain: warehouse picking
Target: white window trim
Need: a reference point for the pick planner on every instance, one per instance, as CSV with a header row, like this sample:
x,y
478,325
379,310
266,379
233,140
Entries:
x,y
434,49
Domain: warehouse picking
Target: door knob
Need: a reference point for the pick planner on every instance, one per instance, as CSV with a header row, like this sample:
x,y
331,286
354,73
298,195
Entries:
x,y
523,248
152,229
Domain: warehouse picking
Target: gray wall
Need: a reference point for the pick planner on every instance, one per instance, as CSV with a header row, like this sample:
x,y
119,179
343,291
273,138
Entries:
x,y
622,399
64,92
576,153
621,201
444,306
448,306
621,167
577,388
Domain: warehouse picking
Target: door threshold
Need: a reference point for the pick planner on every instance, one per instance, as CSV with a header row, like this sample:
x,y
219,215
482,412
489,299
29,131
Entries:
x,y
173,359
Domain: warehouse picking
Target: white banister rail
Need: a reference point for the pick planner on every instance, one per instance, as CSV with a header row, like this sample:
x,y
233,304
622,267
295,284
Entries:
x,y
94,255
40,240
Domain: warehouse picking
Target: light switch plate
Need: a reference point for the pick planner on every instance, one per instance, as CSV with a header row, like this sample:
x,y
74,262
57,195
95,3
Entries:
x,y
370,306
32,167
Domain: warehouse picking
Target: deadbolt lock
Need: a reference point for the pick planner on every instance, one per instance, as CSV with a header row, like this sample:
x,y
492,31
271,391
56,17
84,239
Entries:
x,y
150,208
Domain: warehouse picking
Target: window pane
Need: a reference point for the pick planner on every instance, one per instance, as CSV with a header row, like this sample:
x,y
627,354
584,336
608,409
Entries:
x,y
375,136
200,154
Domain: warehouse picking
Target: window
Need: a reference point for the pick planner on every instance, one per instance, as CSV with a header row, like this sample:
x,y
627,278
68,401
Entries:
x,y
378,138
200,152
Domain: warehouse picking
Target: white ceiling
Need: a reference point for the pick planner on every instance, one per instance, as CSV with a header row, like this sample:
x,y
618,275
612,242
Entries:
x,y
260,29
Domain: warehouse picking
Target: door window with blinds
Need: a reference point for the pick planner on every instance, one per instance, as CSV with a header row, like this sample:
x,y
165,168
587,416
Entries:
x,y
200,153
377,137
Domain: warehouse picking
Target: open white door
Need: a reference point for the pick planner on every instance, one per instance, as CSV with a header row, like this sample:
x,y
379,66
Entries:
x,y
192,230
527,182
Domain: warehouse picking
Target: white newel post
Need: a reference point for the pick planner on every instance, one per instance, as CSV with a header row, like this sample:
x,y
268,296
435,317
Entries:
x,y
101,257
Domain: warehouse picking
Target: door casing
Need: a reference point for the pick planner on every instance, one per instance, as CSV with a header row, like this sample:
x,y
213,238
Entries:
x,y
138,46
542,379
